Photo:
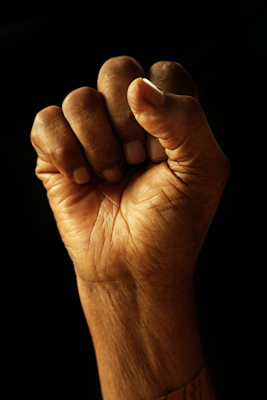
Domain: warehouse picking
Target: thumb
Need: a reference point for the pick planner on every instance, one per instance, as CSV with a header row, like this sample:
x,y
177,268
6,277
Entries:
x,y
178,122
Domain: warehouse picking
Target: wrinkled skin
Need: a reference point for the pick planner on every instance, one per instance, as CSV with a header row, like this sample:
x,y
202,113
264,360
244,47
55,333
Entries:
x,y
157,216
134,176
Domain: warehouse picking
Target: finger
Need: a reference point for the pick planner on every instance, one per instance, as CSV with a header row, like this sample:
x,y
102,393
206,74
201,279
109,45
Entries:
x,y
170,77
181,127
114,78
85,111
57,147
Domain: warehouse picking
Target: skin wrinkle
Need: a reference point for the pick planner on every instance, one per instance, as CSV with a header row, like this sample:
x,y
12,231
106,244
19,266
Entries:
x,y
74,197
139,239
48,122
90,242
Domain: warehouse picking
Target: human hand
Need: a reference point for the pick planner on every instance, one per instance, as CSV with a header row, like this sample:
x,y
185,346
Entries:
x,y
129,224
165,208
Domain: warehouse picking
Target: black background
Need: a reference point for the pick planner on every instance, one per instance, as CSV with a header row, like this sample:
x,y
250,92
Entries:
x,y
46,51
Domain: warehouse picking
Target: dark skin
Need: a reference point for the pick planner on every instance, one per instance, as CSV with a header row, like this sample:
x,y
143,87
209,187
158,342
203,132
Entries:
x,y
134,176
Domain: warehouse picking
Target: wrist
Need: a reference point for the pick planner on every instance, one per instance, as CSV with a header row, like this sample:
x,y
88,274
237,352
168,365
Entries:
x,y
145,340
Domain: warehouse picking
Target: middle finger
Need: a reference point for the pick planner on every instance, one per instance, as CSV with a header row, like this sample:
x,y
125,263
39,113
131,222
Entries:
x,y
114,78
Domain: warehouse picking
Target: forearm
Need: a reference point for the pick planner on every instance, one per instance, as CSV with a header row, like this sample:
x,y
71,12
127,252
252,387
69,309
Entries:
x,y
134,234
146,345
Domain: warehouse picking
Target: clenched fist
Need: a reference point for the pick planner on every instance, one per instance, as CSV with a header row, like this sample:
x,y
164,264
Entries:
x,y
134,175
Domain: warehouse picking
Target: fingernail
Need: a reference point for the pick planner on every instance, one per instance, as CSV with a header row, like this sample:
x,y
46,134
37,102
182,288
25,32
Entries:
x,y
152,93
134,152
157,151
113,175
81,175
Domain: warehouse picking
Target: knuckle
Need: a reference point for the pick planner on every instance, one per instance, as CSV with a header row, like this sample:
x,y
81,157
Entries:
x,y
124,63
45,116
121,66
119,63
43,120
174,78
62,155
167,67
80,99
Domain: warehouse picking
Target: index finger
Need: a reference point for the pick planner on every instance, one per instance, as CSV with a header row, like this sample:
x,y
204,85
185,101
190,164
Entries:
x,y
114,78
171,77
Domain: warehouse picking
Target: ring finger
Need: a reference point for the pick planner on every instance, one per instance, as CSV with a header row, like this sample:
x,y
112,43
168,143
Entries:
x,y
85,111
